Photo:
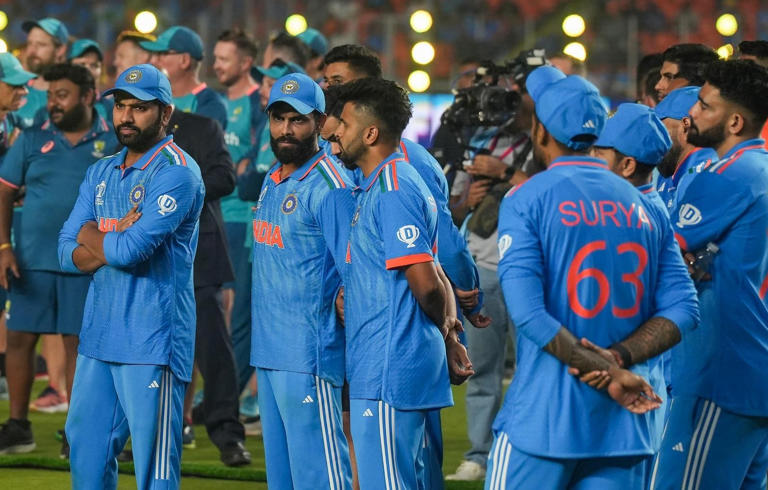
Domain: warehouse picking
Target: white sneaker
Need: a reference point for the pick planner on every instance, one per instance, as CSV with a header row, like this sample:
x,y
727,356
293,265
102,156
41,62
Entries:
x,y
468,471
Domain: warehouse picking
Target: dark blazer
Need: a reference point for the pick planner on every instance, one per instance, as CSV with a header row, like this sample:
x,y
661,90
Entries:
x,y
203,139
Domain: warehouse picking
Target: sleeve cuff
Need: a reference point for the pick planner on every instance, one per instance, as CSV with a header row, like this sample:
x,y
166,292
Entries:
x,y
409,260
684,321
110,248
543,333
681,241
66,262
9,184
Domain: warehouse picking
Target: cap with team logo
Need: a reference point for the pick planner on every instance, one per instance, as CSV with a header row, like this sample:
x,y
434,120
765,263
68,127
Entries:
x,y
82,46
637,132
570,108
279,68
678,103
178,39
299,91
11,71
145,82
54,27
315,40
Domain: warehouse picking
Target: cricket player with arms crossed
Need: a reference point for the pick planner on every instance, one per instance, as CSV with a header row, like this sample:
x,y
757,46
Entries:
x,y
583,256
134,226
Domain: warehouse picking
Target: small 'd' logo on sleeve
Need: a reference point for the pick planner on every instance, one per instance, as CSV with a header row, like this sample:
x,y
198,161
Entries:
x,y
688,215
408,234
505,241
167,204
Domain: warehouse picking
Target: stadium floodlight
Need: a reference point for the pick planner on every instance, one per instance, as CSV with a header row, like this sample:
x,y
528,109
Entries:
x,y
574,25
727,25
3,20
423,52
577,50
725,51
145,22
421,21
419,80
295,24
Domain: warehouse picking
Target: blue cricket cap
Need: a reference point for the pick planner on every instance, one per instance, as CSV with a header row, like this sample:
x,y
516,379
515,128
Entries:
x,y
570,108
11,71
145,82
678,103
179,39
82,46
53,27
299,91
315,40
277,69
636,131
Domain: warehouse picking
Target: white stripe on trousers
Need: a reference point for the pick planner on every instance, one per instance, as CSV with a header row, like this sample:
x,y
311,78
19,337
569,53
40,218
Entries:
x,y
500,459
163,441
699,445
328,426
387,441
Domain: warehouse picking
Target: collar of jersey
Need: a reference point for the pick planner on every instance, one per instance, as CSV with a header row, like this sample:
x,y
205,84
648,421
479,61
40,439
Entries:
x,y
148,157
301,172
753,144
646,189
579,161
684,164
394,157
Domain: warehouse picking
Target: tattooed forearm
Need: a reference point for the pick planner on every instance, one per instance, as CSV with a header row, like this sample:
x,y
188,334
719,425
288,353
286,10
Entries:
x,y
567,348
649,340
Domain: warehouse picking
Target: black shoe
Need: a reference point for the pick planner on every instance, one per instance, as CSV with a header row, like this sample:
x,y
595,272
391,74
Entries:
x,y
64,454
235,454
188,437
16,437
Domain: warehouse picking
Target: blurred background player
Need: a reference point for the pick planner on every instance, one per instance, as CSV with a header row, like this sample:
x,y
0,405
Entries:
x,y
756,51
135,225
318,46
647,76
546,242
87,53
717,433
683,65
179,52
287,48
50,161
128,50
349,62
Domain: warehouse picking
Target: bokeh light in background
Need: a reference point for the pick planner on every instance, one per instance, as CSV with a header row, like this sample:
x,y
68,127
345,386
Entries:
x,y
295,24
725,51
421,21
145,22
3,20
3,46
419,81
574,25
423,53
727,25
577,50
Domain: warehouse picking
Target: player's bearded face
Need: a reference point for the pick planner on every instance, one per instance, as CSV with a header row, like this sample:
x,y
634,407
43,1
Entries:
x,y
668,164
68,120
139,139
289,149
707,138
351,153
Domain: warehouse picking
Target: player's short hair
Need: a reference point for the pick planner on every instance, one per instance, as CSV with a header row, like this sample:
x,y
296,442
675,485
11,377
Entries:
x,y
244,43
332,106
650,81
360,59
79,75
758,49
290,48
385,100
743,83
691,60
648,65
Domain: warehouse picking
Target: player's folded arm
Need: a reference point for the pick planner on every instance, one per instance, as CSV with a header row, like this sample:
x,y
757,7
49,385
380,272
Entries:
x,y
171,196
454,255
81,213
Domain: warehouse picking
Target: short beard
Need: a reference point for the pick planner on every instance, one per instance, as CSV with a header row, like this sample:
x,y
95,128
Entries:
x,y
144,139
299,154
72,119
37,66
228,82
348,158
668,164
710,138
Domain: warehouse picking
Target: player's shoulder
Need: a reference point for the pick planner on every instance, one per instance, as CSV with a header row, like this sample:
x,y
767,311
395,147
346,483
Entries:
x,y
174,161
326,176
210,95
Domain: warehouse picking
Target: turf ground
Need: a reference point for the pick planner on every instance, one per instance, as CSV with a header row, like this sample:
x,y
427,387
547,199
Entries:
x,y
201,469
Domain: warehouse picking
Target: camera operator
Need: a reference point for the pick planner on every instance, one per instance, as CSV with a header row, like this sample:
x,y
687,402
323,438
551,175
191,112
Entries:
x,y
498,156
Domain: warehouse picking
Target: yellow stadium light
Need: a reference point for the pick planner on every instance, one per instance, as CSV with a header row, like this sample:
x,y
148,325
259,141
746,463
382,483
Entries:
x,y
421,21
295,24
725,51
577,50
145,22
574,25
3,20
419,80
727,25
423,53
3,46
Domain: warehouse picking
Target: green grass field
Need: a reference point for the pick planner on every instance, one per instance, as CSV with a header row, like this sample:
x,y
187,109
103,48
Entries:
x,y
201,469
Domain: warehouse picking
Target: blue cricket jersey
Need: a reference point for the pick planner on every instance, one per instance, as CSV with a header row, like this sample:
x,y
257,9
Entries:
x,y
671,187
727,204
581,248
141,305
52,169
395,353
654,199
300,234
204,101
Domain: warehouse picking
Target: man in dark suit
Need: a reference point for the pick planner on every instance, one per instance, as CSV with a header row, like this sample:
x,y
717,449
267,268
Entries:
x,y
203,139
